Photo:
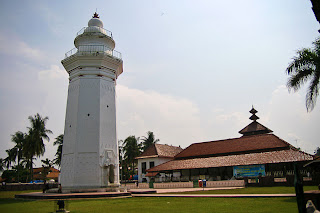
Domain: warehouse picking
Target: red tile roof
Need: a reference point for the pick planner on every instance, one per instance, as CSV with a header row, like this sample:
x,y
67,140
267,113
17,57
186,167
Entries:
x,y
161,150
151,151
245,144
39,169
151,174
53,173
290,155
255,128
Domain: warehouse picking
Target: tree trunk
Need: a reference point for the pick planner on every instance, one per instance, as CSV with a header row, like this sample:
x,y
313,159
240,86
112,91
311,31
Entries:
x,y
31,169
18,168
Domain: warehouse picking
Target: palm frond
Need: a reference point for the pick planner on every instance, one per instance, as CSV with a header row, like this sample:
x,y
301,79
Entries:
x,y
316,45
296,80
306,67
313,92
304,60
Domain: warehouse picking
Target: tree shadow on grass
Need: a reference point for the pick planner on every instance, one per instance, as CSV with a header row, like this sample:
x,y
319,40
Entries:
x,y
290,200
11,201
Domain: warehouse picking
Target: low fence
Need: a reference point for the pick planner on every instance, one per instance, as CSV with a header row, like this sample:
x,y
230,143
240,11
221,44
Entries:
x,y
225,183
134,186
277,181
26,186
172,185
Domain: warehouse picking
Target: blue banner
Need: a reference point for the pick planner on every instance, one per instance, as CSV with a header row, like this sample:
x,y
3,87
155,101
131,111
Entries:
x,y
249,171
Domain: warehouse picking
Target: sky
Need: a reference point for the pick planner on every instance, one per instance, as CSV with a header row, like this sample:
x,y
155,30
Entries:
x,y
192,69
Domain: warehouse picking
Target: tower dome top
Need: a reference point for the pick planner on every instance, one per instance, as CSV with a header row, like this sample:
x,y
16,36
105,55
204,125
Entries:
x,y
95,21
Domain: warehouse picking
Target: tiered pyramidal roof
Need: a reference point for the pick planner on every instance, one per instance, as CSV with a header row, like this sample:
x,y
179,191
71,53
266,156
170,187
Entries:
x,y
254,128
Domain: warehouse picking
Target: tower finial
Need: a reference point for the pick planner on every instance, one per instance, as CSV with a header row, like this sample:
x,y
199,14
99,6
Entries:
x,y
95,15
253,116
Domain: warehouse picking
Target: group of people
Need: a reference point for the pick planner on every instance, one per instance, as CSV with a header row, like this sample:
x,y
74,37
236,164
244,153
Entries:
x,y
46,187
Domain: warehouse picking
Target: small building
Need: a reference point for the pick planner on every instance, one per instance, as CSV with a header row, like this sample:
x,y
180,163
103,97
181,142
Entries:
x,y
155,155
257,152
52,173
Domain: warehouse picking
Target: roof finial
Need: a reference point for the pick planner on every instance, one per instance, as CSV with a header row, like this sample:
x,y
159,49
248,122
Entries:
x,y
95,15
253,116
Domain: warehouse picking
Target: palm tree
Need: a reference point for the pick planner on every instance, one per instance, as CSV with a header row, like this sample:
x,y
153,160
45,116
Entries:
x,y
306,67
132,149
149,140
10,158
26,163
47,164
19,139
121,163
1,164
59,142
34,140
317,151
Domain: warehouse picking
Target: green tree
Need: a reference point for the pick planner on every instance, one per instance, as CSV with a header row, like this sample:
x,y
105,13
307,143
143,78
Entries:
x,y
19,139
306,67
317,151
46,165
131,149
34,140
9,175
59,143
148,141
1,164
26,164
121,160
10,158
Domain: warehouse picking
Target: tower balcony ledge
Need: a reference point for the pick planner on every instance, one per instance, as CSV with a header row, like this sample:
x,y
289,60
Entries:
x,y
95,29
83,59
93,50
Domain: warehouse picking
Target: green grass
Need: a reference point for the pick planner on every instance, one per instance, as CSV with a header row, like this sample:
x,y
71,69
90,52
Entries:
x,y
158,205
253,190
186,205
163,204
11,194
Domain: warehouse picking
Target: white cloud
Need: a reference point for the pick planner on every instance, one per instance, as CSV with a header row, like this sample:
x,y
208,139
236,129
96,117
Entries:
x,y
224,123
179,121
174,120
54,72
287,116
14,46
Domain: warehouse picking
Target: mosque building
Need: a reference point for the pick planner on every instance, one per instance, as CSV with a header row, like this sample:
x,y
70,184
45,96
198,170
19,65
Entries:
x,y
258,152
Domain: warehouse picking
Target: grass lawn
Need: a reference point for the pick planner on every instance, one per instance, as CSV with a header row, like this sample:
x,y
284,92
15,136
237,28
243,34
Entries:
x,y
165,204
253,190
158,205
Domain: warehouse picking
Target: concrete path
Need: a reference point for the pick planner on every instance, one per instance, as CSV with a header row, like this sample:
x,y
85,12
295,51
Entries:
x,y
215,195
51,196
192,189
146,193
160,193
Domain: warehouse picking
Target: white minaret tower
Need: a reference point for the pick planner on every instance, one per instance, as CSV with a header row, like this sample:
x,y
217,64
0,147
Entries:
x,y
90,146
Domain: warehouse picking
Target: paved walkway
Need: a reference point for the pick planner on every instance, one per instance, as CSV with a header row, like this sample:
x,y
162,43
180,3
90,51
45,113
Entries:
x,y
192,189
160,193
51,196
146,193
215,195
